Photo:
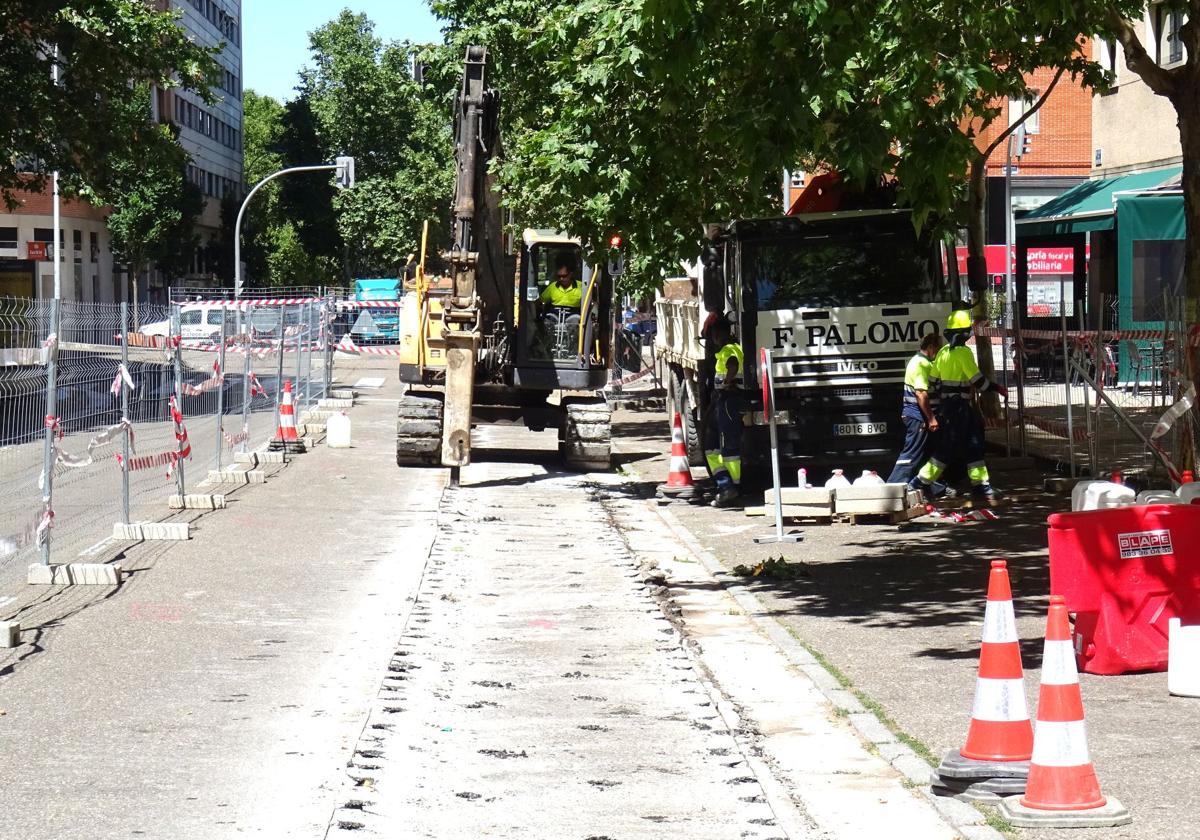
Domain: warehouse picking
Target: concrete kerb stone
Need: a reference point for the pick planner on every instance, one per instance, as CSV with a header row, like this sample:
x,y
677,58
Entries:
x,y
74,574
148,531
235,476
197,501
965,819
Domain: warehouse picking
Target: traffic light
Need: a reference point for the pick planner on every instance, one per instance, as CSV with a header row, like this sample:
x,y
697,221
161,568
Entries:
x,y
616,260
345,172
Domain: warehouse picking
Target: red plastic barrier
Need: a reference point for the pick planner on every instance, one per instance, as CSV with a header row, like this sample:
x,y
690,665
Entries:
x,y
1125,573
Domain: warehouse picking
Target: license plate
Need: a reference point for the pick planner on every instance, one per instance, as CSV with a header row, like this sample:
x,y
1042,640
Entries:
x,y
859,429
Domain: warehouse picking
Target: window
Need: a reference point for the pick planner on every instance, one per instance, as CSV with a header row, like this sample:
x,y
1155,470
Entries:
x,y
843,269
1157,269
191,318
95,243
1167,35
8,238
1017,109
77,244
215,316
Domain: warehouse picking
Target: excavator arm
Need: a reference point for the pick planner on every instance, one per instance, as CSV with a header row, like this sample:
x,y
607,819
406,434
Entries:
x,y
474,132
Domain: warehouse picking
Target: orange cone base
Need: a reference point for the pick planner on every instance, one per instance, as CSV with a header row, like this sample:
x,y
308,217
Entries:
x,y
1112,813
1063,789
989,740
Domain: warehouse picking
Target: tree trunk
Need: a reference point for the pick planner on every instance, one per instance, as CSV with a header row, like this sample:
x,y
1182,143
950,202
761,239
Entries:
x,y
1187,109
977,276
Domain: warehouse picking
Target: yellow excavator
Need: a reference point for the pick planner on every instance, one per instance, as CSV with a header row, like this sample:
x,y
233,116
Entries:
x,y
481,345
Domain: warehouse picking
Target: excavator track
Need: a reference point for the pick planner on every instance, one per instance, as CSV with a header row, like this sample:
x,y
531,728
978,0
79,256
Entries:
x,y
419,431
585,439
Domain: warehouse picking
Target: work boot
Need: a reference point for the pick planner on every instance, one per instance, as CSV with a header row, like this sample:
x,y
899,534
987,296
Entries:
x,y
948,493
986,493
727,498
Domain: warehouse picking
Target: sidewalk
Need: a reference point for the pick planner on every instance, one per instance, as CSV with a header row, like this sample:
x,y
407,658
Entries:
x,y
899,613
219,689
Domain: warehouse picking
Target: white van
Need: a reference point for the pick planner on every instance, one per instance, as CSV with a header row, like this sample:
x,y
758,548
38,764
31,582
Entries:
x,y
197,322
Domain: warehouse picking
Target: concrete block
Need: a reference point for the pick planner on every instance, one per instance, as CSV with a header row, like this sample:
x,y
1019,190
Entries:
x,y
75,574
270,457
237,476
311,416
335,403
816,496
197,501
250,459
871,492
341,394
10,634
152,531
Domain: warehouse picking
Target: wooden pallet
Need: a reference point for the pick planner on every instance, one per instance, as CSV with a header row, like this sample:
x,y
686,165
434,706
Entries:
x,y
893,518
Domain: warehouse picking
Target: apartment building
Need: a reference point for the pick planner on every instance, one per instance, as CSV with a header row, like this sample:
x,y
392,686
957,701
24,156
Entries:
x,y
211,134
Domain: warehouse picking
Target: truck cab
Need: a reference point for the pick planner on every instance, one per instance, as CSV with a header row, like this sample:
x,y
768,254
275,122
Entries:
x,y
841,300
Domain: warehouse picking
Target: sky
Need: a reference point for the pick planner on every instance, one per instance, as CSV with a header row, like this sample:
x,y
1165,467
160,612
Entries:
x,y
275,34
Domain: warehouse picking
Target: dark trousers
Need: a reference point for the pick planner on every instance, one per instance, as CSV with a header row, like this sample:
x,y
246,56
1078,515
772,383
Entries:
x,y
917,442
723,438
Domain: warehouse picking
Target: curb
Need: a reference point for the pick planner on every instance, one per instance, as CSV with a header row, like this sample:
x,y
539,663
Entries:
x,y
963,818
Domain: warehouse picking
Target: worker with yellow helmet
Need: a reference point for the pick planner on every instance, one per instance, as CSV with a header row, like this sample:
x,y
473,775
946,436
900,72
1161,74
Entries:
x,y
956,377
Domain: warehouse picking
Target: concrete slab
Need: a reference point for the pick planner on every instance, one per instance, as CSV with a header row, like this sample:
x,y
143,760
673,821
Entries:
x,y
250,459
74,574
268,457
237,476
137,531
334,403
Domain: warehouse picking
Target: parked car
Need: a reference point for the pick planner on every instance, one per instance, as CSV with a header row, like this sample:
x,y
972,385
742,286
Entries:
x,y
197,322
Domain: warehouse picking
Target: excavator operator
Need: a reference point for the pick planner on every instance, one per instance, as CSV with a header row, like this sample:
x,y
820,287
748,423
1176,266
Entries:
x,y
560,301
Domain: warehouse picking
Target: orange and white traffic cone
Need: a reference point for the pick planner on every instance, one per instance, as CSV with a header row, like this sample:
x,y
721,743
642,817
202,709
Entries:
x,y
286,438
1063,791
679,478
995,759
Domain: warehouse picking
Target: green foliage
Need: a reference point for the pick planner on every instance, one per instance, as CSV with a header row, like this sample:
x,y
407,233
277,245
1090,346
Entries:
x,y
154,206
653,116
81,126
356,97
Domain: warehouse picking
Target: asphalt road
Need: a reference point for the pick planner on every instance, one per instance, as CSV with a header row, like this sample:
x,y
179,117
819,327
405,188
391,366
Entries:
x,y
899,612
353,649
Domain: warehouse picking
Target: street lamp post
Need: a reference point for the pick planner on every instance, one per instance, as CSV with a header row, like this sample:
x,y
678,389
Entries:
x,y
344,166
1019,139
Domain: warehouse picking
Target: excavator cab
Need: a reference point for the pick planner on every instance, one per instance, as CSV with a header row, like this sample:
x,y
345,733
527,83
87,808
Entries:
x,y
563,339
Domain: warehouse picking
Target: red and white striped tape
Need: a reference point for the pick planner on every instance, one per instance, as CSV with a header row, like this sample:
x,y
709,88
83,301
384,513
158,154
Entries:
x,y
235,439
634,377
185,447
210,384
246,303
34,532
370,304
256,388
347,345
122,378
1085,335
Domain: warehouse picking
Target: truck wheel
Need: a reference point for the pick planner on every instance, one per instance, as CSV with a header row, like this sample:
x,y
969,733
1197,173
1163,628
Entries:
x,y
691,431
419,431
585,441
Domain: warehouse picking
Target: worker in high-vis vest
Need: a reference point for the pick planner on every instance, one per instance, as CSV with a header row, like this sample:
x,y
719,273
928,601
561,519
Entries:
x,y
917,411
957,377
560,302
723,429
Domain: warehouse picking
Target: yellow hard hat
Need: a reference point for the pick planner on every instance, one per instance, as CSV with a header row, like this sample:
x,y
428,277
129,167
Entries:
x,y
960,319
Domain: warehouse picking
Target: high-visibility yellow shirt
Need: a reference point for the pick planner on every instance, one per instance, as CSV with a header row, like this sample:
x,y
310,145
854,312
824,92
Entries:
x,y
729,351
917,377
556,295
956,372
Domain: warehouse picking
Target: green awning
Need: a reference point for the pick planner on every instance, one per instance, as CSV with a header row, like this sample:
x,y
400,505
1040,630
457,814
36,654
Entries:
x,y
1090,205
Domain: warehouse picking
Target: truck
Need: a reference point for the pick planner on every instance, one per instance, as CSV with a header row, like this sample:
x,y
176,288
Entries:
x,y
378,324
841,300
476,346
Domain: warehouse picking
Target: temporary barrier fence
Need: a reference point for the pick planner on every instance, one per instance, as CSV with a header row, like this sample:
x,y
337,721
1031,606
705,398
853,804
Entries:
x,y
102,416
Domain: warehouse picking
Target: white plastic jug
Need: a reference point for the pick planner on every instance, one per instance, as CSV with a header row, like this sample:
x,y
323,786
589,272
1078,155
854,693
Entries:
x,y
1100,495
1189,493
1158,497
802,479
838,479
337,431
1183,659
868,477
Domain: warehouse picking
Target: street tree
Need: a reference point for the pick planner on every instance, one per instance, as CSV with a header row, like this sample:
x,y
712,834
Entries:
x,y
358,97
102,49
153,206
